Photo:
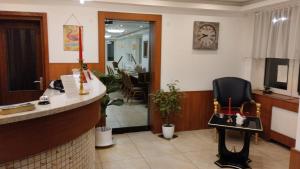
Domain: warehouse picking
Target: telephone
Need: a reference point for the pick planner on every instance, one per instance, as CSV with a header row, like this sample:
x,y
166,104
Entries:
x,y
57,85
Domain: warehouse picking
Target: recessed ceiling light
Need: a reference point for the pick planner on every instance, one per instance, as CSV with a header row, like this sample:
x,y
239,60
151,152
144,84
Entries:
x,y
82,1
115,30
121,25
141,26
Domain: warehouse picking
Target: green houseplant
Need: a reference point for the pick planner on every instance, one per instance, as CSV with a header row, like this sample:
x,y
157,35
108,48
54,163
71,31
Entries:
x,y
169,103
112,84
103,133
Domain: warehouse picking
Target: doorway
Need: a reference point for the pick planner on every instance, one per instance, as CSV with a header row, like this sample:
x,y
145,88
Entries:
x,y
23,56
127,58
153,46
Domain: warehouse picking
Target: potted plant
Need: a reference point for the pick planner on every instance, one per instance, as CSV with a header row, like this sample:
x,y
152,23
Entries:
x,y
103,133
169,103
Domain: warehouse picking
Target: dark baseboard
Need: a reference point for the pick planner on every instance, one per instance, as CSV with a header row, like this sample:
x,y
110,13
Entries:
x,y
294,159
130,129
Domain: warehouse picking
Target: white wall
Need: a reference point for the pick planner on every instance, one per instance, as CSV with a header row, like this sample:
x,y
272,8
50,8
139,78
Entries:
x,y
297,147
125,47
195,69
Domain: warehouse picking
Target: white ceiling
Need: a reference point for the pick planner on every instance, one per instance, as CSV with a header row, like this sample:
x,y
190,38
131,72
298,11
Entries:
x,y
131,28
223,2
211,5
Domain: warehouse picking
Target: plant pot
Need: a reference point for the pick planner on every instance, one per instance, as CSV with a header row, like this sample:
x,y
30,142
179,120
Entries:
x,y
168,130
103,137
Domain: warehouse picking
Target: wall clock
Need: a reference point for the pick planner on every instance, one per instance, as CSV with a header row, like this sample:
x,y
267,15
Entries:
x,y
205,35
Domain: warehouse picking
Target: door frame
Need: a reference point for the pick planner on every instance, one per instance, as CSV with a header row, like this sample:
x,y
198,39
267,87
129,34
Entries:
x,y
155,47
42,18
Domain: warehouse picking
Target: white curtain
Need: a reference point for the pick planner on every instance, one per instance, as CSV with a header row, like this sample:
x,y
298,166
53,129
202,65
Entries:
x,y
276,33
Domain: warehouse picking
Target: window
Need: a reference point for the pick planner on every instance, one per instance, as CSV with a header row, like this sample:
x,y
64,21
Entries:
x,y
110,51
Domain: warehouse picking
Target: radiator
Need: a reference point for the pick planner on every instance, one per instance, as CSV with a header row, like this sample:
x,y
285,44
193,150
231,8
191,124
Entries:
x,y
284,122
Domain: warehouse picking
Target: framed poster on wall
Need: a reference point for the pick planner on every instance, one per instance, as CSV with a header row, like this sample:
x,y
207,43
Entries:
x,y
71,37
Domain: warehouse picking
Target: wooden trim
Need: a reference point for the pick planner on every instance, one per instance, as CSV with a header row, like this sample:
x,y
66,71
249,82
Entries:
x,y
281,101
45,49
267,102
42,18
155,29
295,159
278,137
25,138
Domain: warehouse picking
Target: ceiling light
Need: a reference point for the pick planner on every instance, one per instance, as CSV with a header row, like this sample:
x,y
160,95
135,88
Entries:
x,y
141,26
274,20
121,26
107,36
115,30
82,1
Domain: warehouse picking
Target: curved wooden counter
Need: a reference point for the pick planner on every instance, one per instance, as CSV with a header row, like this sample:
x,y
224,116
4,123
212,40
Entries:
x,y
65,119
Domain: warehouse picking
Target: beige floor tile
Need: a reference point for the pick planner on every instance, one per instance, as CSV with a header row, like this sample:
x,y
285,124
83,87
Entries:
x,y
204,159
193,149
118,152
175,161
161,148
141,137
188,142
273,151
126,164
261,161
98,165
122,139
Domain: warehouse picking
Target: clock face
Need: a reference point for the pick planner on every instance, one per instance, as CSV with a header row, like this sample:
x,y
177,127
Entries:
x,y
205,35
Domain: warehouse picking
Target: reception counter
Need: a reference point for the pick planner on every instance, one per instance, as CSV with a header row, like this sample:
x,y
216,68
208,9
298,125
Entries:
x,y
58,135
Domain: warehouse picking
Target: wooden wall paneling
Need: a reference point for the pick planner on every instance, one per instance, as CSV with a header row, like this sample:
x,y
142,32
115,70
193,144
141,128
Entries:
x,y
266,111
294,159
280,101
21,139
197,108
282,139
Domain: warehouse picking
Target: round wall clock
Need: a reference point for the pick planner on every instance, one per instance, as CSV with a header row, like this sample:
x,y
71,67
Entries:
x,y
205,35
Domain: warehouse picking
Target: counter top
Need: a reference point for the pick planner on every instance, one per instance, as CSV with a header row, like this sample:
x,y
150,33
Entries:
x,y
61,102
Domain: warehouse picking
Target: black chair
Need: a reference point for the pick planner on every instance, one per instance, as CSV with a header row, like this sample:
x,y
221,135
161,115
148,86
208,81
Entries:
x,y
240,92
115,65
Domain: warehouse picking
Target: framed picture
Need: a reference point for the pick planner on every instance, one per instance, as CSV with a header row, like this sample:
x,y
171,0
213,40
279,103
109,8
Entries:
x,y
145,52
71,37
205,35
276,73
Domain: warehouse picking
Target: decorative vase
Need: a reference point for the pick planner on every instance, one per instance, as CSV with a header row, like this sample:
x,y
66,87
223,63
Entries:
x,y
103,136
168,130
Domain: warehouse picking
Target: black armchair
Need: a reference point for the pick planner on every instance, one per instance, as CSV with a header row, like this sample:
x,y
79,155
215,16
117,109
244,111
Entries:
x,y
240,92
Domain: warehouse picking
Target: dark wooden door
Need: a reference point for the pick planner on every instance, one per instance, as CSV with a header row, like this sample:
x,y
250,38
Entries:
x,y
21,61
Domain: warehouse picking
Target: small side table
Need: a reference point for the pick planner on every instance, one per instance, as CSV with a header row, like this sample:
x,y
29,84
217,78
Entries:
x,y
237,160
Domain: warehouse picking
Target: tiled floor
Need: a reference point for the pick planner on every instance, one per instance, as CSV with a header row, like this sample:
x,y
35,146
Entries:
x,y
129,114
191,150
